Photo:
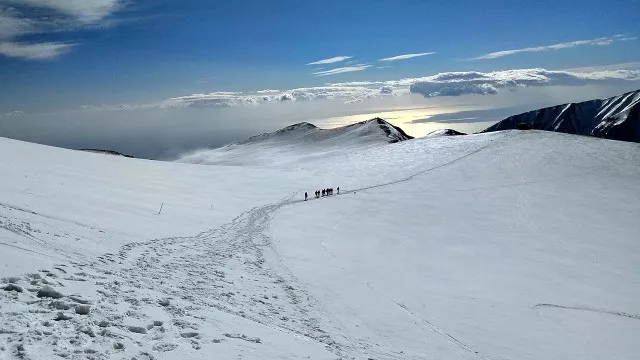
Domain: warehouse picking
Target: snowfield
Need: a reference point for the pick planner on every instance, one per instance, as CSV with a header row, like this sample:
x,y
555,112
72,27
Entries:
x,y
505,245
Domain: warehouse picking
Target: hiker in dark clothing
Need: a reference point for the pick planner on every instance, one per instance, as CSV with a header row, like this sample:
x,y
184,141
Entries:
x,y
305,196
338,190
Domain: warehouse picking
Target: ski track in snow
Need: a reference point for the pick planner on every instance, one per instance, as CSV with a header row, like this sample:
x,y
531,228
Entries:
x,y
224,268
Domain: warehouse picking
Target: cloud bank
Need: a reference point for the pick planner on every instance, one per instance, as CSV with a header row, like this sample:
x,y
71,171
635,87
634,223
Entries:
x,y
406,56
593,42
473,82
446,84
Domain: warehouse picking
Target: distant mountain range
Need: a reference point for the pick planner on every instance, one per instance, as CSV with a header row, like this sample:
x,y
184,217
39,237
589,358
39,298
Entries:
x,y
616,118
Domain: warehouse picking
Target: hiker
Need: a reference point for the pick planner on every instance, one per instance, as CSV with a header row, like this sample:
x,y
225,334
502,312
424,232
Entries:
x,y
338,190
305,196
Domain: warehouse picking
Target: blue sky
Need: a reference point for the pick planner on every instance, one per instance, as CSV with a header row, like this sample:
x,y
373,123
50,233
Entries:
x,y
67,55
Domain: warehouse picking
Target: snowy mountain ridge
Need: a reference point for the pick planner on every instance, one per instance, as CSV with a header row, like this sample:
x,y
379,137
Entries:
x,y
303,139
371,130
616,118
444,132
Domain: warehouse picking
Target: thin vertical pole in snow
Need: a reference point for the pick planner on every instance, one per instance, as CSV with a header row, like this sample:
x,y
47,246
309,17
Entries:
x,y
160,211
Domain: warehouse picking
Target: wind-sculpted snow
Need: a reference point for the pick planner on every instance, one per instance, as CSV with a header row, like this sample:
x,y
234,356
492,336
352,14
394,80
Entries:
x,y
508,245
616,118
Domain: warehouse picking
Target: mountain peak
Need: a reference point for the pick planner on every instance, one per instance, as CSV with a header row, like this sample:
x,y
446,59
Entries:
x,y
616,118
372,130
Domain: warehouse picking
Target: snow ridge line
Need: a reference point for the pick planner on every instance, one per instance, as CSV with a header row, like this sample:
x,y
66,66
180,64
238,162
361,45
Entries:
x,y
405,179
587,308
410,177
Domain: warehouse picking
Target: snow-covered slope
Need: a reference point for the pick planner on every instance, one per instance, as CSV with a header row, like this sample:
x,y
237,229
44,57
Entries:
x,y
505,245
304,139
616,118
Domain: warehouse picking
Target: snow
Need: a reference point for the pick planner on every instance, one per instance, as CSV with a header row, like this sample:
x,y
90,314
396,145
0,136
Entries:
x,y
305,140
504,245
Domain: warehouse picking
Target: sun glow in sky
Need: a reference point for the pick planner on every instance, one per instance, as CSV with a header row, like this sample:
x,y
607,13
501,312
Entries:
x,y
414,121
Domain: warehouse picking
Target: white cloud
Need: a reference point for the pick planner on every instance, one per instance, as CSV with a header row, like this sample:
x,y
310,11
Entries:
x,y
341,70
406,56
84,10
232,99
330,60
448,84
11,25
593,42
34,51
29,17
473,82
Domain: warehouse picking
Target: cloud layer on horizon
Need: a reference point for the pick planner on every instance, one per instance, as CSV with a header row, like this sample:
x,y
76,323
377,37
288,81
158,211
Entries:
x,y
447,84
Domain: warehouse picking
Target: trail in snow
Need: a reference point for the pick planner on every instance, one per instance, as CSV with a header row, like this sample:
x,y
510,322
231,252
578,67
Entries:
x,y
223,268
405,179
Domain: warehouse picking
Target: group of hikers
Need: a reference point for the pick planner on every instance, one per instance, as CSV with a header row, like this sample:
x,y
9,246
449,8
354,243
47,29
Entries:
x,y
322,193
